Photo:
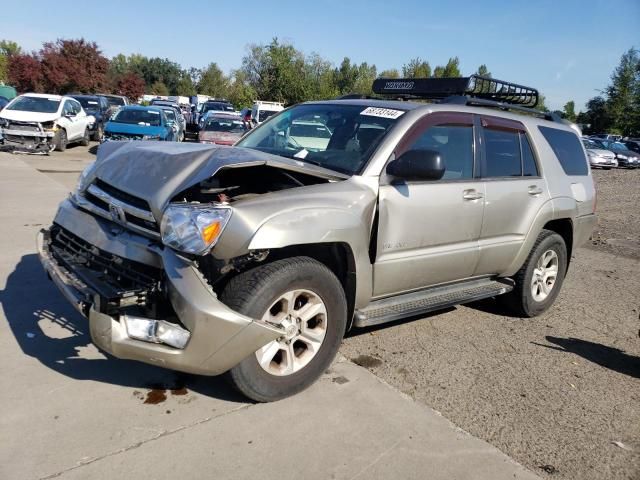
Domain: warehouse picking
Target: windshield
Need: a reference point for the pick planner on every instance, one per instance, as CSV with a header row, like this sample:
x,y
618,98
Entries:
x,y
88,103
115,101
616,146
589,144
35,104
148,118
264,114
224,125
337,137
222,107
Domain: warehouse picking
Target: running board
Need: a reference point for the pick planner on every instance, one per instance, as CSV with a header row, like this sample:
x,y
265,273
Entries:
x,y
424,301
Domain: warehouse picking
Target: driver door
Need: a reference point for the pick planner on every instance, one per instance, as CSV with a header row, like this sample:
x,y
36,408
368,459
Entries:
x,y
428,230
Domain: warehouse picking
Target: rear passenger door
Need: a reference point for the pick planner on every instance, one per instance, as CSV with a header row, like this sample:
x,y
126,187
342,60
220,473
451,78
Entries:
x,y
515,191
428,230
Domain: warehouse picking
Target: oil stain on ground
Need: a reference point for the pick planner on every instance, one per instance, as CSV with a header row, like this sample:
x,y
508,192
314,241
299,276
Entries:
x,y
367,361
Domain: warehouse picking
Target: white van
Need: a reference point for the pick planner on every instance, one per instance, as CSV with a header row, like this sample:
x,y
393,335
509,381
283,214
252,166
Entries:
x,y
260,111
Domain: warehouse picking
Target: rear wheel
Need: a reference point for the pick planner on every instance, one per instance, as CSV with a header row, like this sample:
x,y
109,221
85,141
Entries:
x,y
60,140
307,300
538,282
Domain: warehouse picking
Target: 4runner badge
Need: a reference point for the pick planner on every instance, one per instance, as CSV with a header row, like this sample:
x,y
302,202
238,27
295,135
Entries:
x,y
117,214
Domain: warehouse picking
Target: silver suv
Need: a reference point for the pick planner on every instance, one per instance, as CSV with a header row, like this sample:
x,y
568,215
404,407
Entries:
x,y
256,259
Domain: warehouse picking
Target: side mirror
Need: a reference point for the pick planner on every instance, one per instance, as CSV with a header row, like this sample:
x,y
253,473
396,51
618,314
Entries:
x,y
417,165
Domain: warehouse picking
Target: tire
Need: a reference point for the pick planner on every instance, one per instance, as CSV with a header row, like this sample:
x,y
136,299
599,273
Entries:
x,y
86,139
261,293
97,136
521,300
60,140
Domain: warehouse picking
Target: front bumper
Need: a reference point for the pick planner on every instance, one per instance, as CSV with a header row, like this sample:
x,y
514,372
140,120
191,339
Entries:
x,y
220,337
29,140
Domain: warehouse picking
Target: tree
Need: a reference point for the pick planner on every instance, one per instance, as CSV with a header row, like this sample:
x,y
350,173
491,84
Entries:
x,y
391,73
73,65
159,88
277,72
131,85
7,49
416,68
345,76
213,82
319,75
569,111
185,85
596,116
483,71
24,72
541,103
364,80
452,68
622,93
241,94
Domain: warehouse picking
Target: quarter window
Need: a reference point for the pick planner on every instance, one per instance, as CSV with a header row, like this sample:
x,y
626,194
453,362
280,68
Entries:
x,y
454,143
503,153
568,150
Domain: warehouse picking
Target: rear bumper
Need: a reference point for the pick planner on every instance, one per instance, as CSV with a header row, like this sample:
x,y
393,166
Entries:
x,y
583,227
220,338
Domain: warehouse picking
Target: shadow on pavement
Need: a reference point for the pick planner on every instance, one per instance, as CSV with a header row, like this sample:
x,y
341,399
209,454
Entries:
x,y
30,300
608,357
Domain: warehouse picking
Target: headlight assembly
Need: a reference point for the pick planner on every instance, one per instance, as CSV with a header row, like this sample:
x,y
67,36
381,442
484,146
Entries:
x,y
83,179
623,157
193,228
151,137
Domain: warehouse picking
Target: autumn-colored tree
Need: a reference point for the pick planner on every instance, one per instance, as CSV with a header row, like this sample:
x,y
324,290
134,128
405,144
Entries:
x,y
73,65
131,86
24,72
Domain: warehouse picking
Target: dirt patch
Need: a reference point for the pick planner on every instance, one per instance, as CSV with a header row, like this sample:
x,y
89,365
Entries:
x,y
618,210
367,361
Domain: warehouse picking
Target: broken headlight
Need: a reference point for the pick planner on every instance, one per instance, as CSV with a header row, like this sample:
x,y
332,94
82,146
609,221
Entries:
x,y
85,178
193,228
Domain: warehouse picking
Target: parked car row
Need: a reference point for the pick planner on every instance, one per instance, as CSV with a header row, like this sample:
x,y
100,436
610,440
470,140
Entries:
x,y
609,153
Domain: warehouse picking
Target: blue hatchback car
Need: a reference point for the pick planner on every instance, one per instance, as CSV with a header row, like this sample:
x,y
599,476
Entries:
x,y
135,122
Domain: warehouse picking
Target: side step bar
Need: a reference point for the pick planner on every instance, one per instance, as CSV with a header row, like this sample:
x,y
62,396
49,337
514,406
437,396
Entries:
x,y
428,300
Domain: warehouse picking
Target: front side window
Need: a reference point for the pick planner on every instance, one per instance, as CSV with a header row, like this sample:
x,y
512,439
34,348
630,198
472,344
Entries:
x,y
454,143
344,136
68,108
502,149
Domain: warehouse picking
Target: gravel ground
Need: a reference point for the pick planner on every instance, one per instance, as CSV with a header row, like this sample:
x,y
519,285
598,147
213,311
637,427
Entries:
x,y
555,392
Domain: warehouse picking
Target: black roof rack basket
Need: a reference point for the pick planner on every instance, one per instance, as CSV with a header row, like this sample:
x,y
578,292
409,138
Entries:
x,y
475,86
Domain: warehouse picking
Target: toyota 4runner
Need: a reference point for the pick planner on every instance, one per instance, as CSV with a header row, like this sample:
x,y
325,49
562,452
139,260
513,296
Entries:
x,y
256,259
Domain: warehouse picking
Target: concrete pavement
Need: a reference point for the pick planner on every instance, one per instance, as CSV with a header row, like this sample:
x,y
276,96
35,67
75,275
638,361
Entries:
x,y
71,412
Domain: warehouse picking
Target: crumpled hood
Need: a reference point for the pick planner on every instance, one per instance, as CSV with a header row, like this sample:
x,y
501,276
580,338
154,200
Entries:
x,y
157,171
21,116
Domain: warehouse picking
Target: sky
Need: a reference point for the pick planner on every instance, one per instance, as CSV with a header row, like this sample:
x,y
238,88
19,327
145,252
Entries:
x,y
565,48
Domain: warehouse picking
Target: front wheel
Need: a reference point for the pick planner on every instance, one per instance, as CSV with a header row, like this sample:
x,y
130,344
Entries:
x,y
538,282
60,140
307,300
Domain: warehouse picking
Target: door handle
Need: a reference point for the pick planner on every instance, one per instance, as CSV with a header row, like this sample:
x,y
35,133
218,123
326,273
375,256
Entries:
x,y
534,190
471,194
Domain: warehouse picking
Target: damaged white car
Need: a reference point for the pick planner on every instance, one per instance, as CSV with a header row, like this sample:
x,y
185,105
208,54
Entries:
x,y
41,123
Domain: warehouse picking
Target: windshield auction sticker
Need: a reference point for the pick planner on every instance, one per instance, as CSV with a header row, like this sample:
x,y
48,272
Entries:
x,y
382,112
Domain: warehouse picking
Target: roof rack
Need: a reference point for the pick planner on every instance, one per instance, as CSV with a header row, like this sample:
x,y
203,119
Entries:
x,y
475,86
481,102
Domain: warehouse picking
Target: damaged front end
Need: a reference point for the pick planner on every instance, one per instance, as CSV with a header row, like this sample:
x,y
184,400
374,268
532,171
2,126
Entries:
x,y
139,266
31,137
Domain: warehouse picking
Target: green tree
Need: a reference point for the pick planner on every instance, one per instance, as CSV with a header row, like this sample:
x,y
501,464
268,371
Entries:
x,y
320,76
213,82
159,88
277,72
622,93
240,93
7,49
569,111
438,72
416,68
391,73
596,116
364,79
185,85
345,76
483,71
541,105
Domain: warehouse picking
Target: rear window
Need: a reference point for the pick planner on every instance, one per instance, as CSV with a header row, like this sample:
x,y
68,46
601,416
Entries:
x,y
568,149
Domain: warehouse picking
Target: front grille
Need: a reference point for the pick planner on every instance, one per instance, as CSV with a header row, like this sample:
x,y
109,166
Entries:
x,y
123,136
120,282
26,126
136,212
